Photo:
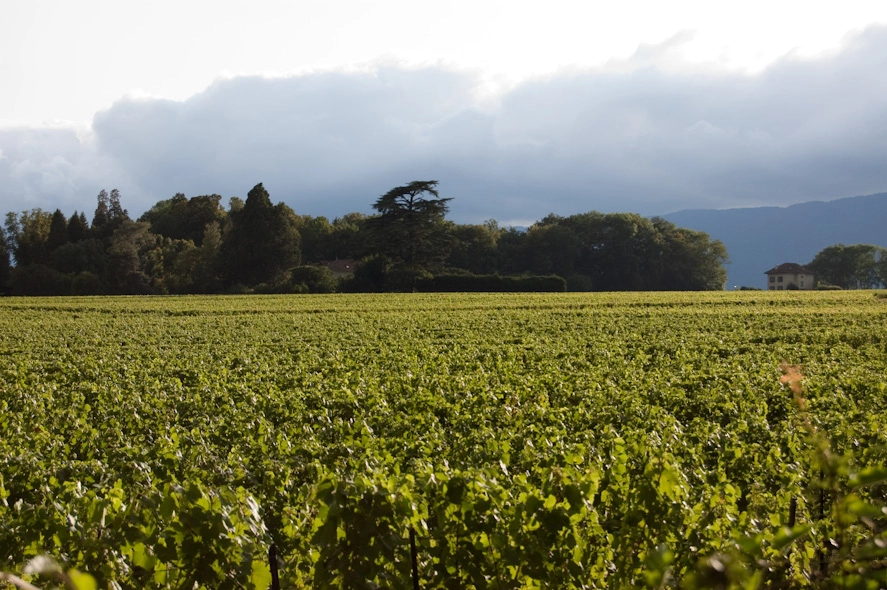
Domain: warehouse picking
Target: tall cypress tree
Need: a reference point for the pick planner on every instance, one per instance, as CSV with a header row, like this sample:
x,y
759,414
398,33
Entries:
x,y
101,218
262,242
78,228
117,215
58,231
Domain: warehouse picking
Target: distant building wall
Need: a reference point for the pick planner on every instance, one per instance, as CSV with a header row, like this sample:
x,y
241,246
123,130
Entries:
x,y
790,276
340,268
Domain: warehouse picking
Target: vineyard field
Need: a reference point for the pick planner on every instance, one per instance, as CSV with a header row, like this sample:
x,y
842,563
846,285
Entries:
x,y
562,440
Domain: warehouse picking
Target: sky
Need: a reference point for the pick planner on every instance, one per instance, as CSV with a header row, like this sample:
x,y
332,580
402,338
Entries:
x,y
518,109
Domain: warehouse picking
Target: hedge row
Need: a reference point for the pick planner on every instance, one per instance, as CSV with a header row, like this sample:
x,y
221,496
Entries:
x,y
490,283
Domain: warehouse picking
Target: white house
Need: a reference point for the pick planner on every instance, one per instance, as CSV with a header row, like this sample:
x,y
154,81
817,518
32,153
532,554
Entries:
x,y
789,275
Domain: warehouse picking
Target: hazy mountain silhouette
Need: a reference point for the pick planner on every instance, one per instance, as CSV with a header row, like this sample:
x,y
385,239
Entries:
x,y
759,238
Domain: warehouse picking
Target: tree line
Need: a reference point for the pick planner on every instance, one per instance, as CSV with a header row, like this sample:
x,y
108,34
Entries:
x,y
196,245
858,266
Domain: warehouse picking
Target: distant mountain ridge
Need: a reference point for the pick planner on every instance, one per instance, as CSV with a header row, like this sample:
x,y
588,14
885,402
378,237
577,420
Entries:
x,y
759,238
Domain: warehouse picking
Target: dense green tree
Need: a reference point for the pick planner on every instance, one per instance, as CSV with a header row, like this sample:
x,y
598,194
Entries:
x,y
882,268
166,218
27,234
511,248
849,267
58,231
203,210
207,273
162,263
285,243
409,226
691,260
83,256
38,279
78,227
196,270
87,283
349,237
101,218
616,252
117,215
310,279
262,243
5,263
181,218
625,251
316,233
631,256
109,215
551,248
128,266
474,247
325,240
186,245
235,205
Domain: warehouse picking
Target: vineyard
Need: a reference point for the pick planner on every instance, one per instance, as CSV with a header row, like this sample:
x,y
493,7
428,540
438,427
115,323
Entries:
x,y
447,440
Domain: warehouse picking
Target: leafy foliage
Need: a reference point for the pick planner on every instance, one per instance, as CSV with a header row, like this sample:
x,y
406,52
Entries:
x,y
410,225
263,241
560,440
184,245
859,266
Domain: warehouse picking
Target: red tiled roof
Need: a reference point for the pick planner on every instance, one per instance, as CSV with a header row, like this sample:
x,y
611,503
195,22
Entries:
x,y
788,268
343,266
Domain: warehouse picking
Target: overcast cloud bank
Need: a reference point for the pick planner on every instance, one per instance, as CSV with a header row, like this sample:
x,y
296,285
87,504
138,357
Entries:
x,y
647,135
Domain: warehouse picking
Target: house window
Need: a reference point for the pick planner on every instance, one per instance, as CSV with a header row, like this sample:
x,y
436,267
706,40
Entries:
x,y
779,280
772,279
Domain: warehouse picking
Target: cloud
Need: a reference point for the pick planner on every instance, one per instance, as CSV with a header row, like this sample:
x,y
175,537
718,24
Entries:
x,y
649,134
37,164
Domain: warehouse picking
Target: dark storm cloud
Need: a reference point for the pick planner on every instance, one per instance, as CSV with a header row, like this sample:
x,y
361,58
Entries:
x,y
642,135
310,139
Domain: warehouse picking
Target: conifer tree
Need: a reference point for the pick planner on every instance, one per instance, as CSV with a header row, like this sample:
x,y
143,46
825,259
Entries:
x,y
58,231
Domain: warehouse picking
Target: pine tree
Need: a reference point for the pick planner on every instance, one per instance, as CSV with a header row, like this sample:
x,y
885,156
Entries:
x,y
78,228
262,242
102,217
58,231
409,227
116,213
